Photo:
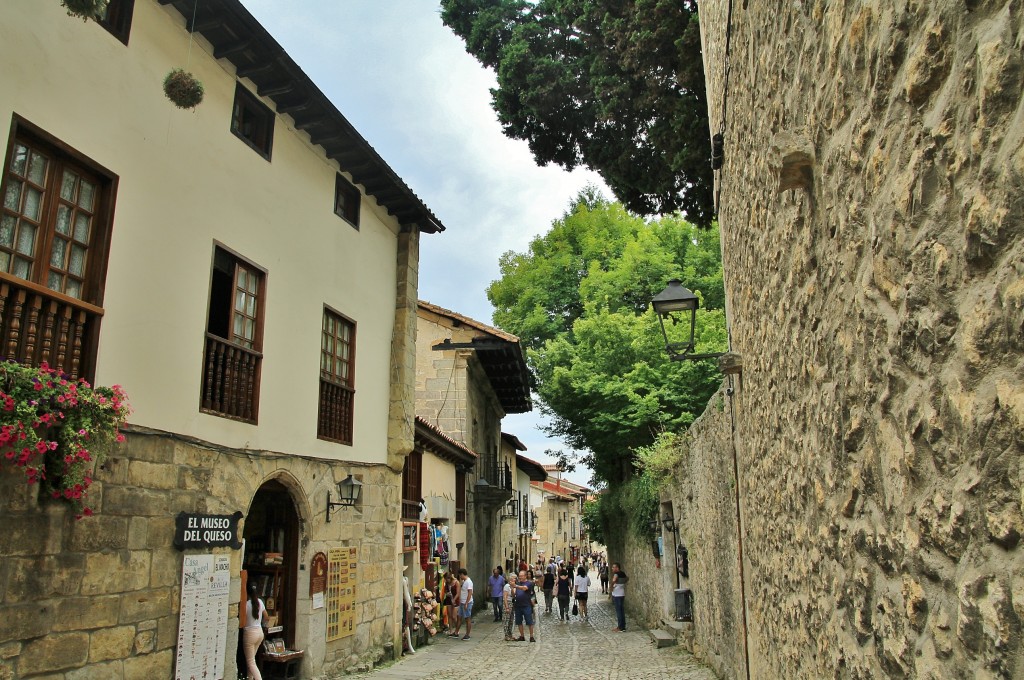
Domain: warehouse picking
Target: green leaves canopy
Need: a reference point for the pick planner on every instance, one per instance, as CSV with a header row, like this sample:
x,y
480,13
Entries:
x,y
616,85
580,301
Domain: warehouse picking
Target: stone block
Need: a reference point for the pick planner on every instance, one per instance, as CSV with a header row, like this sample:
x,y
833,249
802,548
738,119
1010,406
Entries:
x,y
113,470
9,650
147,604
111,643
29,535
138,533
134,502
54,653
145,642
149,475
166,569
116,572
152,449
45,576
84,613
24,621
111,670
148,666
101,532
159,532
167,631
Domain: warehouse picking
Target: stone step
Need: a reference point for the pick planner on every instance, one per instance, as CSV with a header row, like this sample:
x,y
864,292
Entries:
x,y
662,638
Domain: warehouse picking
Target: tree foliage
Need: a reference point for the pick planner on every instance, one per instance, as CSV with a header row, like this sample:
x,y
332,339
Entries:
x,y
616,85
579,298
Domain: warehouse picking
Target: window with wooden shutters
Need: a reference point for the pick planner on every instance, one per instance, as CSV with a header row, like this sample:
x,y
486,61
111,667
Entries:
x,y
234,338
412,485
54,238
337,378
117,18
460,496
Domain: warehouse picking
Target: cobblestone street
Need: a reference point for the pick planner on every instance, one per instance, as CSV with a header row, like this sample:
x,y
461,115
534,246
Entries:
x,y
579,650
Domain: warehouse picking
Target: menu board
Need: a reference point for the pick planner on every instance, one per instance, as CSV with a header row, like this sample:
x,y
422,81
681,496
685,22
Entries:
x,y
203,619
341,592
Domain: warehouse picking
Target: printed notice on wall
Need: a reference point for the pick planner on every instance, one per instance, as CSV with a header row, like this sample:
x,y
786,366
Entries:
x,y
203,621
341,592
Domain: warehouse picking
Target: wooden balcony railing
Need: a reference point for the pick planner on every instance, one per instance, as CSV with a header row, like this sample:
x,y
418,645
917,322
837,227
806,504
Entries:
x,y
231,380
334,421
39,325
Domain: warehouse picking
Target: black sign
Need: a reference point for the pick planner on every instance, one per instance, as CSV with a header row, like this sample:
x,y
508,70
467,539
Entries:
x,y
192,530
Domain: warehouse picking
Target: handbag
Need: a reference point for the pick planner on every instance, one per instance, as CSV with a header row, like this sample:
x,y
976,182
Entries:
x,y
575,609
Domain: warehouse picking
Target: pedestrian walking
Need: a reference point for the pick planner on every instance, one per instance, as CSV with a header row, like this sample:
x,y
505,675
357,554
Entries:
x,y
603,572
564,593
465,603
548,587
252,634
524,599
581,584
618,595
497,585
508,594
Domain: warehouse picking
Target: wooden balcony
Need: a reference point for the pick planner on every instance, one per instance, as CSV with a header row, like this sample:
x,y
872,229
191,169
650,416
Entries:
x,y
334,420
38,325
231,380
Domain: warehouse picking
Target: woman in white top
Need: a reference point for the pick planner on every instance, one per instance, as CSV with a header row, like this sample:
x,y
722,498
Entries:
x,y
252,634
581,585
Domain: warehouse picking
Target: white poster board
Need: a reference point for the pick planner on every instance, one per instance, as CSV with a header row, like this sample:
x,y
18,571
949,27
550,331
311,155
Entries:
x,y
202,625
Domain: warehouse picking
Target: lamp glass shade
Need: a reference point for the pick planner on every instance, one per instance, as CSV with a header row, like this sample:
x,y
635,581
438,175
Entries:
x,y
669,522
675,298
348,488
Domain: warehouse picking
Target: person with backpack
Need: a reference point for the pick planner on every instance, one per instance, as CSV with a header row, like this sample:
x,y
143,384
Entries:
x,y
604,577
524,597
548,587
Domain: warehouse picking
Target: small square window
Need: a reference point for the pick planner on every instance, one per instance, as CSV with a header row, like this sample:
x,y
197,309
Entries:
x,y
346,201
252,121
117,18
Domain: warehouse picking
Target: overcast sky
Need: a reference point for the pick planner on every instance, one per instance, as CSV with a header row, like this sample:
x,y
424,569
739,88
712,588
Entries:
x,y
405,81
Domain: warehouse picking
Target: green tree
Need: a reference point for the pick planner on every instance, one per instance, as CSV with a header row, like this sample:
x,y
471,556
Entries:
x,y
580,300
616,85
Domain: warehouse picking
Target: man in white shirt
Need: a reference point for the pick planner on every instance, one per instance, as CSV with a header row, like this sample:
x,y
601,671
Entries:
x,y
465,603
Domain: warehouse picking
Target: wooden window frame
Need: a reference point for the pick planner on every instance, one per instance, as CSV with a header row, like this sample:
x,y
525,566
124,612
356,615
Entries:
x,y
460,496
347,200
83,313
207,400
412,484
251,103
347,385
118,19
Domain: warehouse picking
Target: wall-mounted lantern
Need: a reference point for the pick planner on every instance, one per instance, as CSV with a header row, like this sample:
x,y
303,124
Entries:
x,y
348,490
673,303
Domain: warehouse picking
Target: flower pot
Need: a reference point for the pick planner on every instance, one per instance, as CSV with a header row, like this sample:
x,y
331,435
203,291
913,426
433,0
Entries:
x,y
183,88
86,9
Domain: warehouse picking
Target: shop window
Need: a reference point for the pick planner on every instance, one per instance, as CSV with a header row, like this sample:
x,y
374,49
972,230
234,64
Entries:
x,y
252,121
55,225
234,338
337,378
346,201
117,18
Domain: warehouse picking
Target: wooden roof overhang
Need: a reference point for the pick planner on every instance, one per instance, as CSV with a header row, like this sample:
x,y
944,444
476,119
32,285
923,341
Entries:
x,y
532,468
239,38
505,366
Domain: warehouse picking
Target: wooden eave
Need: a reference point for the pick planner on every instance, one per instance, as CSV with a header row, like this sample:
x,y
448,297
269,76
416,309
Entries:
x,y
238,38
431,439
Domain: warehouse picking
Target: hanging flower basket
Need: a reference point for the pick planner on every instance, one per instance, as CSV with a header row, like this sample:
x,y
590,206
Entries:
x,y
86,9
183,88
57,430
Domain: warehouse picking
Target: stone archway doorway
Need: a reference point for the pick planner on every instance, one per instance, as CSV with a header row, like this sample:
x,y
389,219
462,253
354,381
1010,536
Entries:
x,y
271,559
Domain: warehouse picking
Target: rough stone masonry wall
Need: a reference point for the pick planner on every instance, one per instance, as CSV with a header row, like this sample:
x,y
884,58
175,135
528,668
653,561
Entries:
x,y
872,200
98,598
701,498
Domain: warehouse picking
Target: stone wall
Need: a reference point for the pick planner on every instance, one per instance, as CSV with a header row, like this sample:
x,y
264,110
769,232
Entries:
x,y
98,598
871,211
701,498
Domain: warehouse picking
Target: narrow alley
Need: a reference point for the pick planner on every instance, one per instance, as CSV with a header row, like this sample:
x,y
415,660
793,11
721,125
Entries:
x,y
581,650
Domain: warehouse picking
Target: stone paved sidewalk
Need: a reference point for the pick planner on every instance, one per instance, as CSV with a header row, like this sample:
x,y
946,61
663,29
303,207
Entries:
x,y
580,650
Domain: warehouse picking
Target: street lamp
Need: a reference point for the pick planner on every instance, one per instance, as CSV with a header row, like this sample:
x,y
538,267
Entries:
x,y
669,523
671,303
654,525
348,489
